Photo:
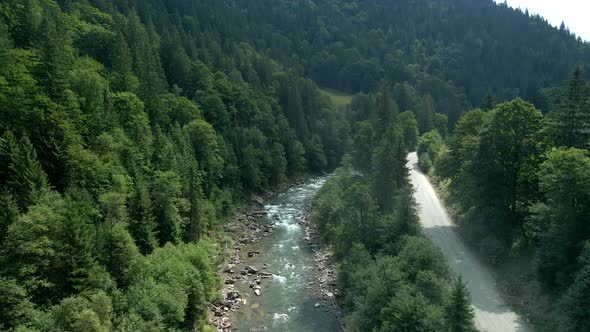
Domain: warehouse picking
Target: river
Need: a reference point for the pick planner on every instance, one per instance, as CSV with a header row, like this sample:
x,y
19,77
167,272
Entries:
x,y
289,300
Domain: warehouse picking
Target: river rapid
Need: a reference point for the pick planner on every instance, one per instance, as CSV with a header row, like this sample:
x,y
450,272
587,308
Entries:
x,y
290,297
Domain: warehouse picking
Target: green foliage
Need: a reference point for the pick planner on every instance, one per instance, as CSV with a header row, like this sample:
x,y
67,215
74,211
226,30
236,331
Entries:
x,y
410,128
573,117
429,146
389,170
27,180
8,213
574,302
391,278
126,127
459,313
505,166
79,314
564,179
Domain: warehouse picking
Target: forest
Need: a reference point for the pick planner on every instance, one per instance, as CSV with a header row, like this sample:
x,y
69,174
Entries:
x,y
131,131
392,277
519,182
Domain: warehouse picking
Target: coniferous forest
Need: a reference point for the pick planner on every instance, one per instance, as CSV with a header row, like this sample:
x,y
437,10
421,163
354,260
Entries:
x,y
131,131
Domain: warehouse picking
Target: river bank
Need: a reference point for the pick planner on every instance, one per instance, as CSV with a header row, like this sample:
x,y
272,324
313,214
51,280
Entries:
x,y
277,277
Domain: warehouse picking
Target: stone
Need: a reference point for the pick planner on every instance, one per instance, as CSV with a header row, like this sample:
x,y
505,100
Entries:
x,y
233,295
257,292
253,253
258,200
255,306
317,305
251,270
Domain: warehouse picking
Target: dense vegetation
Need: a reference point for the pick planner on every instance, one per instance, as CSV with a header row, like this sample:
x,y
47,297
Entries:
x,y
453,51
392,278
129,131
522,180
126,136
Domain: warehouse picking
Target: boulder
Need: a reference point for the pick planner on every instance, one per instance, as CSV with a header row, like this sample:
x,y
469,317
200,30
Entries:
x,y
253,253
258,200
257,292
251,270
233,295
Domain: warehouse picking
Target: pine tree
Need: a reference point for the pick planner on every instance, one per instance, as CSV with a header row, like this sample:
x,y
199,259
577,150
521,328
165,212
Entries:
x,y
28,181
5,46
166,194
425,114
459,313
488,102
77,268
573,117
197,223
575,302
387,111
389,169
142,224
8,213
55,56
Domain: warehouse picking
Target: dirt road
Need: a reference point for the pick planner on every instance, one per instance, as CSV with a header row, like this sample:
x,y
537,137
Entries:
x,y
492,314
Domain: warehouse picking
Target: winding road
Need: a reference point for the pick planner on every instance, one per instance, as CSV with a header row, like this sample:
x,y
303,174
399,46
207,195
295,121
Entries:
x,y
492,313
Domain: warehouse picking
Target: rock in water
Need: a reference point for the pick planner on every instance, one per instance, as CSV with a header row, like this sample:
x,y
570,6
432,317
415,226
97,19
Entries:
x,y
317,305
257,292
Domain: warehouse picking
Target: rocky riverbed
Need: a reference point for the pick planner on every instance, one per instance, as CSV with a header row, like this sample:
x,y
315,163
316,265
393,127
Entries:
x,y
278,277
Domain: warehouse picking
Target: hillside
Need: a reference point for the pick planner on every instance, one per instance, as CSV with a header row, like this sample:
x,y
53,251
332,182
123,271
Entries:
x,y
131,130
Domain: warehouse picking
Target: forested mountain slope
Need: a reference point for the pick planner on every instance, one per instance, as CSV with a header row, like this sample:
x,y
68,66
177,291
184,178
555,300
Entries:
x,y
126,138
454,50
130,129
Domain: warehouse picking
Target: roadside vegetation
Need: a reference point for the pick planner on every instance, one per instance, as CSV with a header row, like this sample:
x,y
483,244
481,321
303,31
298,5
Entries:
x,y
519,182
391,277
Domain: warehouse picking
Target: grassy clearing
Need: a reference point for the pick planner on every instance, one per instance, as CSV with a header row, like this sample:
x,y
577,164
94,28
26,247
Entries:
x,y
339,99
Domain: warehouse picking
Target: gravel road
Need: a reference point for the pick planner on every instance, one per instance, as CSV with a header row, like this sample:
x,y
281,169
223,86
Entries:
x,y
492,313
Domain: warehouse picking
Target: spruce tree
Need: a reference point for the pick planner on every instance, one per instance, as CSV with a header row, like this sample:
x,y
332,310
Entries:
x,y
8,213
459,313
389,169
28,180
488,102
142,224
573,117
386,113
55,56
425,114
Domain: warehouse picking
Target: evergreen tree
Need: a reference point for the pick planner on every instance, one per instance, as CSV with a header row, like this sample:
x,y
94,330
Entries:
x,y
425,114
386,113
142,224
459,313
77,268
8,213
575,114
168,204
488,102
56,54
28,180
389,171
